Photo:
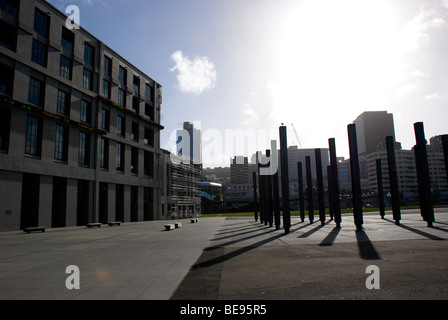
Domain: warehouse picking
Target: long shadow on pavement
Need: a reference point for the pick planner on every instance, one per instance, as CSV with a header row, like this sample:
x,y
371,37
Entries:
x,y
419,232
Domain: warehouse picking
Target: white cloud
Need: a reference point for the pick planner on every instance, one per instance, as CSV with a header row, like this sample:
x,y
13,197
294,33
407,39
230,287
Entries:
x,y
194,76
432,96
406,89
250,115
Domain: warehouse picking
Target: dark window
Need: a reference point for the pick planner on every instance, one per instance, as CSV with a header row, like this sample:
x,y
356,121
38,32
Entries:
x,y
107,66
5,127
65,67
149,111
106,89
10,7
134,160
121,97
135,130
136,105
121,125
149,93
120,157
8,36
89,53
84,148
86,111
105,119
35,93
122,76
33,136
149,136
136,85
104,153
67,39
63,103
61,143
41,23
39,53
6,79
149,163
87,79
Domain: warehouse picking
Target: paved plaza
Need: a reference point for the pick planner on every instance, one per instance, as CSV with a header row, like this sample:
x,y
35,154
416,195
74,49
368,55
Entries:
x,y
230,258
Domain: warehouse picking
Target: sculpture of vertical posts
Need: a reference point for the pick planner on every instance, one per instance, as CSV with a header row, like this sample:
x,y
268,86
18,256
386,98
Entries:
x,y
309,189
254,181
379,176
301,196
445,154
285,179
356,178
394,191
421,198
276,190
426,184
335,182
320,186
330,192
269,216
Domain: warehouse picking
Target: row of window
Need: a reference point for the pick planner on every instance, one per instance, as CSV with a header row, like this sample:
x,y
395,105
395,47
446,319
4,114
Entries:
x,y
33,145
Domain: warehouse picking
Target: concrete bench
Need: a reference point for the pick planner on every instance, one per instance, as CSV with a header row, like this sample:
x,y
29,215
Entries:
x,y
90,225
114,223
34,229
169,227
178,225
194,220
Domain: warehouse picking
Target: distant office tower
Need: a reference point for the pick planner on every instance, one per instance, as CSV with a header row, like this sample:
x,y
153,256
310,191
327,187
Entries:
x,y
240,171
189,143
372,128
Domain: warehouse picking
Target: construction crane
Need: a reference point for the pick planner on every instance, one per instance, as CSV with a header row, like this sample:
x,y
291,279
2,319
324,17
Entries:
x,y
297,136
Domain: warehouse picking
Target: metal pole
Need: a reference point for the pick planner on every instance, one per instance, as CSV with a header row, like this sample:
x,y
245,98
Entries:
x,y
379,176
330,192
320,186
285,179
309,188
394,191
335,182
269,194
426,187
356,178
301,196
276,189
254,179
445,154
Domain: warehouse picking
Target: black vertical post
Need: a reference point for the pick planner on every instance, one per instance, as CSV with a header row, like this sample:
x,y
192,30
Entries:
x,y
335,182
394,191
254,181
330,192
261,187
418,168
301,196
276,189
379,176
426,187
356,178
285,179
309,189
269,194
320,186
445,154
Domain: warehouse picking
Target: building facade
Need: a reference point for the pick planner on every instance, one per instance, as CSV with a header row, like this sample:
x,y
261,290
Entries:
x,y
80,126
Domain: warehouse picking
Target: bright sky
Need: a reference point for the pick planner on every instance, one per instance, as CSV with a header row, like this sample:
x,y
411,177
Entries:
x,y
243,67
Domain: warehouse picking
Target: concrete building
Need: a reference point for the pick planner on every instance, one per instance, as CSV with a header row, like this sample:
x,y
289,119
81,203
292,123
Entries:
x,y
80,126
372,128
189,143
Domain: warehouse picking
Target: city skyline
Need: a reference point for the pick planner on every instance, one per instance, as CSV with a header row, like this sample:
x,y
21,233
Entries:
x,y
234,65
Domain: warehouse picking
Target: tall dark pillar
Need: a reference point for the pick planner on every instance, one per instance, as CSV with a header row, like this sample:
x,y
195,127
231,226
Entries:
x,y
276,190
394,192
261,187
269,216
320,186
445,154
356,178
330,190
309,189
418,168
254,181
335,182
426,184
285,179
301,196
379,176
